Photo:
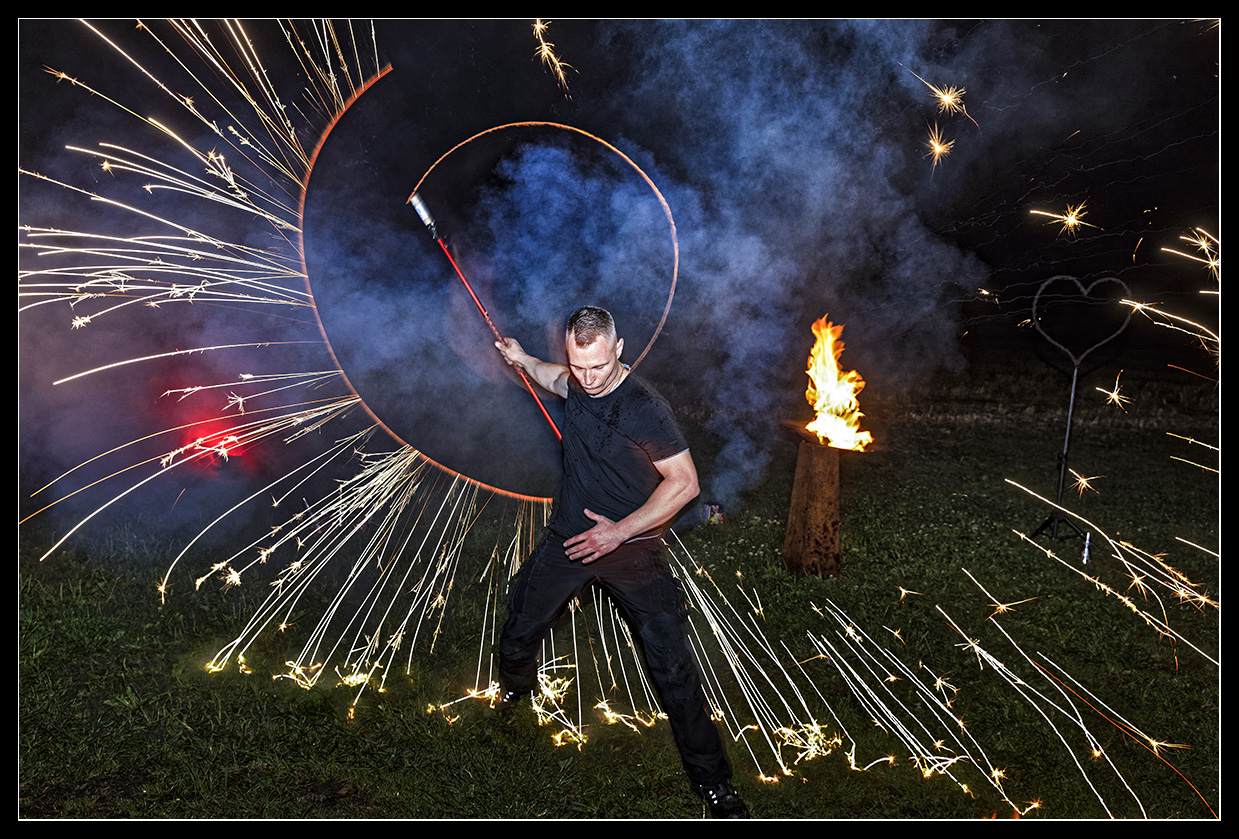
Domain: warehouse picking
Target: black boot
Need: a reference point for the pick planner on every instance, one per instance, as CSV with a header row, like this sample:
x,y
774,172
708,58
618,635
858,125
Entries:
x,y
724,801
506,703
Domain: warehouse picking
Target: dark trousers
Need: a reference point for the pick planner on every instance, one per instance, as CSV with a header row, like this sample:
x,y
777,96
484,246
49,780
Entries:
x,y
638,579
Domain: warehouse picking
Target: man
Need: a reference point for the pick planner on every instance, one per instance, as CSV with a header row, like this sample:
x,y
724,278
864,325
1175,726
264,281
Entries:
x,y
627,473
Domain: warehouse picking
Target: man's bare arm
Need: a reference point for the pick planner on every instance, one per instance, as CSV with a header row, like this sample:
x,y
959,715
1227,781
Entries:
x,y
679,486
549,375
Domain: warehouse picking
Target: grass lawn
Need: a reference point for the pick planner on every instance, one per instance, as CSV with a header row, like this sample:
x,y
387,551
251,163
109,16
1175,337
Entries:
x,y
118,718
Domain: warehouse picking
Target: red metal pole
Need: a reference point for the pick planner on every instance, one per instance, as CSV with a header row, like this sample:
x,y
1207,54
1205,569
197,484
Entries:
x,y
498,337
424,212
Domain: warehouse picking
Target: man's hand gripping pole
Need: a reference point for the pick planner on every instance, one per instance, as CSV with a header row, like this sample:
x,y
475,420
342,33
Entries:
x,y
424,213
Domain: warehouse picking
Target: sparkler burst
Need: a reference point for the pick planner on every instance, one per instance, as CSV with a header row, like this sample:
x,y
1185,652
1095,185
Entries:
x,y
950,99
1071,220
938,147
1115,395
1082,483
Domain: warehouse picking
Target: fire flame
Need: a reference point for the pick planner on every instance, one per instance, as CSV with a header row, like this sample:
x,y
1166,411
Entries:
x,y
832,393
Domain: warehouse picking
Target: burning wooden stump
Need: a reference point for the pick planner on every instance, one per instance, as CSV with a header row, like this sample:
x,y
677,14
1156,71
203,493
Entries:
x,y
812,542
811,545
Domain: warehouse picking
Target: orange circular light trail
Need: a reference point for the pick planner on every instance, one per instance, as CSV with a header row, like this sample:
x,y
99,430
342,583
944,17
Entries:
x,y
675,244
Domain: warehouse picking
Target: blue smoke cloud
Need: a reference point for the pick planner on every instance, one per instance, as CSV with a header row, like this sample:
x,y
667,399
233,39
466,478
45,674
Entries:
x,y
788,198
791,155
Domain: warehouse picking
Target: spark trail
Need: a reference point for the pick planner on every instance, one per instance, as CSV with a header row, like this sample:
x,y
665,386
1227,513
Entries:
x,y
546,51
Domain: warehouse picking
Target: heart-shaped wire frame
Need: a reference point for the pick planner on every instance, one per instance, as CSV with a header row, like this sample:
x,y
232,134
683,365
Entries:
x,y
1085,292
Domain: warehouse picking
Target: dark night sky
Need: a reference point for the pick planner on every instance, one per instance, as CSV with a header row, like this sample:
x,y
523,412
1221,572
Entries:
x,y
791,154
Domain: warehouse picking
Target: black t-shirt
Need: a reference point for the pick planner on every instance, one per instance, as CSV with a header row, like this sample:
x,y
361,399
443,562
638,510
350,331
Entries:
x,y
611,444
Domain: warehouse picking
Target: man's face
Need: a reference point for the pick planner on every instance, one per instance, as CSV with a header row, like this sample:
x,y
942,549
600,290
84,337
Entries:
x,y
597,366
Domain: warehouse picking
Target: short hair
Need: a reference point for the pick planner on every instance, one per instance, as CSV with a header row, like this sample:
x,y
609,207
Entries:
x,y
589,323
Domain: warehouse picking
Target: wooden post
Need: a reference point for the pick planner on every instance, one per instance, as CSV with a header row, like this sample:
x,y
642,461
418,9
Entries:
x,y
812,542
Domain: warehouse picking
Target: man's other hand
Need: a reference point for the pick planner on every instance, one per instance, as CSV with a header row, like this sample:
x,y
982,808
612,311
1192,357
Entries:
x,y
598,541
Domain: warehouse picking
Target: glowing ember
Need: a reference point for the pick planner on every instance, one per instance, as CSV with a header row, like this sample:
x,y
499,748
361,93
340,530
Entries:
x,y
832,393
